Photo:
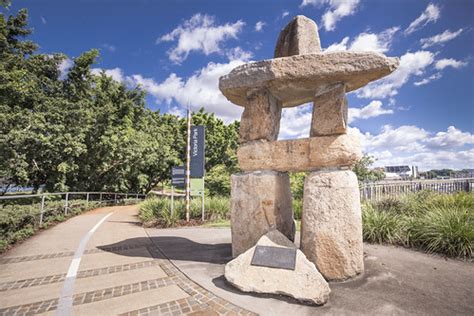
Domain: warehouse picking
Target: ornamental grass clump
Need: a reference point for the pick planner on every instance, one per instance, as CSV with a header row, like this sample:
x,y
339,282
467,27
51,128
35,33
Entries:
x,y
380,226
445,229
218,208
151,208
430,221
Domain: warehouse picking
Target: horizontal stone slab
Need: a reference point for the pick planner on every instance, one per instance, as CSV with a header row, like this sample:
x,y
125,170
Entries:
x,y
295,80
303,154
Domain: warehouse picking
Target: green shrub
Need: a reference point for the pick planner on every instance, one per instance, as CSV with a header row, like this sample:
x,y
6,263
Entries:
x,y
217,208
218,180
167,218
297,208
380,226
433,222
20,221
150,209
390,204
445,229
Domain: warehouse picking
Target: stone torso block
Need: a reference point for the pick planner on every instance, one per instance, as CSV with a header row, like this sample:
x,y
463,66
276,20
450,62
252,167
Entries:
x,y
300,154
331,224
260,201
261,117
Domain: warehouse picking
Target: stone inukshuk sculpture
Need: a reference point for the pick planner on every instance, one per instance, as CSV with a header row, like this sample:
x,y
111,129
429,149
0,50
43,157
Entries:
x,y
331,229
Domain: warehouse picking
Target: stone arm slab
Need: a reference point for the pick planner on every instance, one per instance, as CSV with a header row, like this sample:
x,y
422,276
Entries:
x,y
295,80
303,154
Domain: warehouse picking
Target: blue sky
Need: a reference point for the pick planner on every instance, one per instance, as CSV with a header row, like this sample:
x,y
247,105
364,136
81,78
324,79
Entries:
x,y
422,114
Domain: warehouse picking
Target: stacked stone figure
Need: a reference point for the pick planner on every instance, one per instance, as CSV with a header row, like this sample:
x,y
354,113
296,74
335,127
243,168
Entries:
x,y
331,230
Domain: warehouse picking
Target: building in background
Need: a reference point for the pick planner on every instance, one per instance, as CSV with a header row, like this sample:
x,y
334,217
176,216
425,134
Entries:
x,y
401,172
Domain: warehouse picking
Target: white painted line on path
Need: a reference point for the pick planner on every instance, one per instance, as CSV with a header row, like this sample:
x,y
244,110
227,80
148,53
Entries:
x,y
65,300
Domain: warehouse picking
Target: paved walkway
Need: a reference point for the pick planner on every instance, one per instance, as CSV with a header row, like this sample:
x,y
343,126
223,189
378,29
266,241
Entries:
x,y
104,263
396,281
100,263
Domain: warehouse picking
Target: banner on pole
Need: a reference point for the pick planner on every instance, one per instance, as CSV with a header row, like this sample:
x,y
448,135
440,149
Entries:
x,y
178,177
197,151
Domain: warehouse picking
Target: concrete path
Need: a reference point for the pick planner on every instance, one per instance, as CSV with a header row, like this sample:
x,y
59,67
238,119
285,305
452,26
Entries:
x,y
100,263
396,281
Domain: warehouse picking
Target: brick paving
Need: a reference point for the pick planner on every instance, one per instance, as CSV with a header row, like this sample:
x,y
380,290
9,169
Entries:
x,y
67,254
80,275
199,300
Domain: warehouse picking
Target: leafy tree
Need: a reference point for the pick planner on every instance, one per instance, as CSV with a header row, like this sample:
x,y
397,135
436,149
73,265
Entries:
x,y
86,132
297,184
89,132
364,173
221,139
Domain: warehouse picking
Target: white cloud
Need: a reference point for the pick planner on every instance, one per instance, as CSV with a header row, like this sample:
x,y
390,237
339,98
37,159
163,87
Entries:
x,y
453,137
238,53
439,38
178,111
201,34
259,26
295,122
115,73
367,42
64,67
431,14
341,46
285,14
43,20
411,64
336,11
449,62
411,145
109,47
373,109
199,90
424,81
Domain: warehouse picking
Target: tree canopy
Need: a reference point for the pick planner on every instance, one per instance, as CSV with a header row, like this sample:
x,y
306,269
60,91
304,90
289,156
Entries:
x,y
89,132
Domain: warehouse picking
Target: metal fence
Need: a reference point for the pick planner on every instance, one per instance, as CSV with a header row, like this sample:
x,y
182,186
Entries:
x,y
101,197
379,190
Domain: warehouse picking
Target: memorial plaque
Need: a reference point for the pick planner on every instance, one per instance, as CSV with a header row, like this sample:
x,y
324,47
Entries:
x,y
274,257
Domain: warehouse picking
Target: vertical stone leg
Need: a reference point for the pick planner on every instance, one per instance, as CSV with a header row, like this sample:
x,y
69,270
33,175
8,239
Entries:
x,y
260,201
331,225
261,117
330,112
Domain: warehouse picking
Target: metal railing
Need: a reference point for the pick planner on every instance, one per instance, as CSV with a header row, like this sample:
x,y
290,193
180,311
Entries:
x,y
379,190
101,197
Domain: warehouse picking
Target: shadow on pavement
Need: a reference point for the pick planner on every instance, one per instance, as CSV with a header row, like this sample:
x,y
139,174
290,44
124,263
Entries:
x,y
222,283
176,248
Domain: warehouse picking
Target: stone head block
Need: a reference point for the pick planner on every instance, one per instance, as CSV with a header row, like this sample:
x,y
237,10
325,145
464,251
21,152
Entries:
x,y
299,37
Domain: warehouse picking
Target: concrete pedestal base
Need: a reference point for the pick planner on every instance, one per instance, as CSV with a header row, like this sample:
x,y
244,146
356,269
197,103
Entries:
x,y
331,225
260,201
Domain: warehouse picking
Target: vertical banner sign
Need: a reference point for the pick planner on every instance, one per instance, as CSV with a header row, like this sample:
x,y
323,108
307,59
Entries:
x,y
178,177
197,151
